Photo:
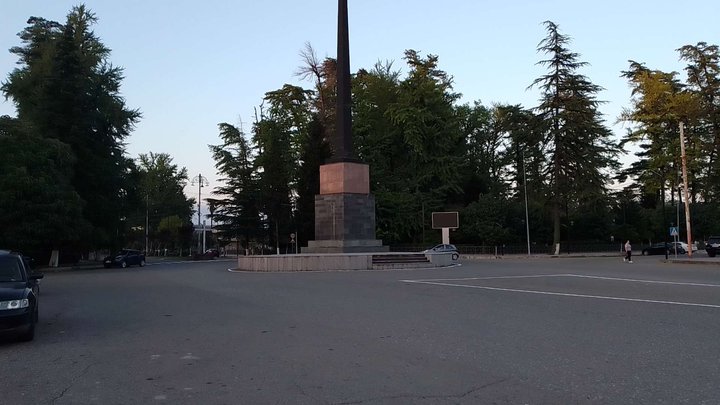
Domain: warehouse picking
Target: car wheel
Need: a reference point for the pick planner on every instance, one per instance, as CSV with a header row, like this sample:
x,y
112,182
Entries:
x,y
644,252
123,264
711,254
142,263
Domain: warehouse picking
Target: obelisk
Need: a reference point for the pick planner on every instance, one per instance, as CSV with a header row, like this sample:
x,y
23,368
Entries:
x,y
344,209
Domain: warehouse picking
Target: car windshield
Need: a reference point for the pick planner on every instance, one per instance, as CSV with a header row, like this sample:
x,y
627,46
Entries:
x,y
123,252
10,269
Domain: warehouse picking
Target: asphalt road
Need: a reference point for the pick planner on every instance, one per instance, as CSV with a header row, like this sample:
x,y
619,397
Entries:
x,y
545,331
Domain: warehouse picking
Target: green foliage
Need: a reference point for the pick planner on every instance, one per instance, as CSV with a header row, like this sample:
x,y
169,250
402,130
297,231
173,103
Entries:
x,y
313,151
577,144
38,207
237,212
160,196
426,153
485,220
425,116
701,109
66,92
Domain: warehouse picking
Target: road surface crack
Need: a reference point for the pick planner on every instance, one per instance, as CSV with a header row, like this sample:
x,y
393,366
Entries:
x,y
72,382
411,396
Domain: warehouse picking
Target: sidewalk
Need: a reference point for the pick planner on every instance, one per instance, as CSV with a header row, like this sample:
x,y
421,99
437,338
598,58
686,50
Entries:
x,y
98,265
700,259
541,255
712,261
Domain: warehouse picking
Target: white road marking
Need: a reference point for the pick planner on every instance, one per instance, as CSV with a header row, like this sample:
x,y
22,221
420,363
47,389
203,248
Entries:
x,y
188,262
565,294
490,278
645,281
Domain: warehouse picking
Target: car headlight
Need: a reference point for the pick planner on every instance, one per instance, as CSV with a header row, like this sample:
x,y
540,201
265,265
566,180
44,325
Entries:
x,y
14,304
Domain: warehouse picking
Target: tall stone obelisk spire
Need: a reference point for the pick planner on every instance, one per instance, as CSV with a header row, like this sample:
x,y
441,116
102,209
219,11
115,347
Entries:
x,y
342,140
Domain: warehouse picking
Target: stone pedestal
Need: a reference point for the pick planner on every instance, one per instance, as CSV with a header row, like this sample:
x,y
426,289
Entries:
x,y
344,211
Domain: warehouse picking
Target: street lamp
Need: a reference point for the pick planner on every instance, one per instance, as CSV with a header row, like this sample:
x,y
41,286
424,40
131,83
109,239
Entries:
x,y
527,219
201,182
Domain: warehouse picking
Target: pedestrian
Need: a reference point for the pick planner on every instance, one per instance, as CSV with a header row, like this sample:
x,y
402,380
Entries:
x,y
628,252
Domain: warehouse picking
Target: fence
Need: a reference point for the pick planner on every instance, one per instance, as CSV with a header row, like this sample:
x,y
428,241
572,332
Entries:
x,y
535,249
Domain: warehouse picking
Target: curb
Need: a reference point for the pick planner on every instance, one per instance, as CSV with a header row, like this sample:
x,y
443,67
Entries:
x,y
690,261
539,256
102,267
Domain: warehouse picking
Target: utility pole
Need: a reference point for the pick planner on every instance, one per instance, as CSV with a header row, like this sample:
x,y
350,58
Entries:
x,y
664,220
277,239
201,182
685,189
147,222
527,217
422,203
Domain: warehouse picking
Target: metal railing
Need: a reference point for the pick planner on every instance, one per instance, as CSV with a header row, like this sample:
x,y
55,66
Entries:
x,y
520,249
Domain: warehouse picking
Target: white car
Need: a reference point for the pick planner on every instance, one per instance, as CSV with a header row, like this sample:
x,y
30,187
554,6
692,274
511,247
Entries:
x,y
685,246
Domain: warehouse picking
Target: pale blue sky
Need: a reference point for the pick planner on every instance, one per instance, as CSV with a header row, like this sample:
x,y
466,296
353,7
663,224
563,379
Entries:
x,y
190,65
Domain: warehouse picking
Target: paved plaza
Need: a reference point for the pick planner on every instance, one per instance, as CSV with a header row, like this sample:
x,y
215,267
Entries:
x,y
506,331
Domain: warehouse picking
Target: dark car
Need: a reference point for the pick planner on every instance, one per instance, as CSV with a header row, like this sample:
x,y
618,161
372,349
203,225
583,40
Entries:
x,y
125,258
441,249
662,248
712,246
18,299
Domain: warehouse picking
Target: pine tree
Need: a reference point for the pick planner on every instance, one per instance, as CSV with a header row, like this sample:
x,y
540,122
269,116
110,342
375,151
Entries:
x,y
237,212
577,142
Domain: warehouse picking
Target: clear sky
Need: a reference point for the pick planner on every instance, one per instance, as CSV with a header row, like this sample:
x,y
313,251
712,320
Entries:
x,y
190,65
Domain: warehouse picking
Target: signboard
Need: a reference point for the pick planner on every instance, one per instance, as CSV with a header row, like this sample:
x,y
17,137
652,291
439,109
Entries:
x,y
674,231
445,220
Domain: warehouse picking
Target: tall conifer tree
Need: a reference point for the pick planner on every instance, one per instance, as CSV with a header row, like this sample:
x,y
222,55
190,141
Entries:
x,y
577,142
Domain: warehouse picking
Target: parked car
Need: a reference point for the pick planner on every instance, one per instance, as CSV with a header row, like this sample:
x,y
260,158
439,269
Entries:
x,y
18,299
441,249
684,245
125,258
712,246
212,253
662,248
681,247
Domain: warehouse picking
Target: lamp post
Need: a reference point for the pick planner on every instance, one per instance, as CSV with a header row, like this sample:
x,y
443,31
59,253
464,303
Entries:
x,y
527,219
201,182
147,224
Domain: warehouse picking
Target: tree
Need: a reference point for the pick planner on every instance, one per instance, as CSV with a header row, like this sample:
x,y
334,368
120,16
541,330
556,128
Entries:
x,y
39,210
425,114
703,82
277,135
577,143
160,195
66,90
408,132
237,212
314,150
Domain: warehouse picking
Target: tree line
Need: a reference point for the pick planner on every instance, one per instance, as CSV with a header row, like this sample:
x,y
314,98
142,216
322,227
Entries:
x,y
428,152
66,179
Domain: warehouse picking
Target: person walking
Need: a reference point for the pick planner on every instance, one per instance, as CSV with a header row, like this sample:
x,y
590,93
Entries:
x,y
628,252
